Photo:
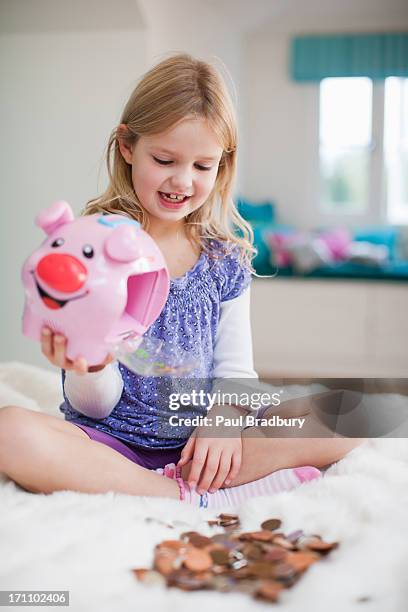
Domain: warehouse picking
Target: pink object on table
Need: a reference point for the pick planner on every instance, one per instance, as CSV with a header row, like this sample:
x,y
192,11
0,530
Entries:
x,y
94,279
278,244
331,246
338,241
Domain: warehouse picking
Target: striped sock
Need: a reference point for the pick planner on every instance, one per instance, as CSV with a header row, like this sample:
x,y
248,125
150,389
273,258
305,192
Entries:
x,y
282,480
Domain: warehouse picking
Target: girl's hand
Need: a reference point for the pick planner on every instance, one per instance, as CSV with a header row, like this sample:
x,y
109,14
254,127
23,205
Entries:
x,y
215,460
53,346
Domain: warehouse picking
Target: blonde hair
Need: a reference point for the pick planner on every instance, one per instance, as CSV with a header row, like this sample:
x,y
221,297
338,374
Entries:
x,y
177,88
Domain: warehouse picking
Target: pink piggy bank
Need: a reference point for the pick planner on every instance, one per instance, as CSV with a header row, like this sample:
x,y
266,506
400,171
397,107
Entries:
x,y
94,279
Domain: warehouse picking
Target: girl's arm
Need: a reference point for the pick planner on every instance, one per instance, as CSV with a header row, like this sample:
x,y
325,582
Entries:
x,y
233,355
94,394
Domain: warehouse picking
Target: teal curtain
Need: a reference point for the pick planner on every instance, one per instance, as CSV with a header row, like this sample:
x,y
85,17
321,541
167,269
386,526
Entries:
x,y
372,55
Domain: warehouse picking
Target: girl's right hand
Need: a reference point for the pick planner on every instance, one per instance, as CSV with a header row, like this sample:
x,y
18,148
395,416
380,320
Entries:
x,y
53,346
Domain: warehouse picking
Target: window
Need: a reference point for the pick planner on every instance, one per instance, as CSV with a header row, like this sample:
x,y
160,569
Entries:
x,y
396,148
363,148
345,144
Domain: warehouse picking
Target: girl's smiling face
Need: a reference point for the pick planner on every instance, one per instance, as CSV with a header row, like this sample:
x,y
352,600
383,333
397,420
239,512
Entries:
x,y
182,161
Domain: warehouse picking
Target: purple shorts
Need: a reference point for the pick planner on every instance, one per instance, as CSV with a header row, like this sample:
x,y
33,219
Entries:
x,y
150,459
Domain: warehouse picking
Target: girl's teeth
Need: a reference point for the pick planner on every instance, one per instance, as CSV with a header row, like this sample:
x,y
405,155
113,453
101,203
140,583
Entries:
x,y
173,197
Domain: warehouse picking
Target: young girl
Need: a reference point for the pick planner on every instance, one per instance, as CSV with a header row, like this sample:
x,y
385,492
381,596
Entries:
x,y
174,161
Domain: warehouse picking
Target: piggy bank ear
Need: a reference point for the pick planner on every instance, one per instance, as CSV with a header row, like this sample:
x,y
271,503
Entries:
x,y
57,214
123,244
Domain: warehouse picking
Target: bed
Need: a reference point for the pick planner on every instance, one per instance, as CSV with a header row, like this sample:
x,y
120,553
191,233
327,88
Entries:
x,y
87,544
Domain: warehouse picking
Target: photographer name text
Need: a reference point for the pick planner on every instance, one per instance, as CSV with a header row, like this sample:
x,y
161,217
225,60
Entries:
x,y
248,420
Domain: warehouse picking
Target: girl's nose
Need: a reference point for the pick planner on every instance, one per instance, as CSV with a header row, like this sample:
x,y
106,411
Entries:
x,y
182,181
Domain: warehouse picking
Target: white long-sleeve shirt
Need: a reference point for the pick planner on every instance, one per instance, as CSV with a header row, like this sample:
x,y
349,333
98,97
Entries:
x,y
95,394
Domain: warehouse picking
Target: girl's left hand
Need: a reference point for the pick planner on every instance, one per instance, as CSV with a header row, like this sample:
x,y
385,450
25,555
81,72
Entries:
x,y
215,460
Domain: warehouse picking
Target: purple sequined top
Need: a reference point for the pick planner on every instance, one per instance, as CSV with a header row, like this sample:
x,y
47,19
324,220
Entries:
x,y
188,322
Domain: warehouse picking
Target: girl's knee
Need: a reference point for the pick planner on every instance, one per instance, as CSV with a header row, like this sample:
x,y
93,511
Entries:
x,y
8,415
11,416
16,423
20,431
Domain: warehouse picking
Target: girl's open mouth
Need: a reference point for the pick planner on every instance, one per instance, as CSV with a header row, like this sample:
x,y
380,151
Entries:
x,y
171,203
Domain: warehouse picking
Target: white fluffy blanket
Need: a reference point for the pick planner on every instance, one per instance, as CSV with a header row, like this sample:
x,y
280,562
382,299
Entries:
x,y
87,543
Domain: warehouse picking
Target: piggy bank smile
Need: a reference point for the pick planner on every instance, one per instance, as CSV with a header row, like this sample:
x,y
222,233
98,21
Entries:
x,y
61,272
51,301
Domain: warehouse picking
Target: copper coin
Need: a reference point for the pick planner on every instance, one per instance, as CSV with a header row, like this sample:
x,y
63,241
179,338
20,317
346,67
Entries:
x,y
224,541
197,560
228,517
220,569
214,546
271,524
220,557
283,571
252,551
316,543
140,572
261,569
247,586
242,573
187,534
258,536
300,561
281,540
165,563
172,544
275,554
199,541
262,536
149,576
269,590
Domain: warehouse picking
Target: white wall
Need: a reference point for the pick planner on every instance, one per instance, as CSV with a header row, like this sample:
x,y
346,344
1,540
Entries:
x,y
62,93
281,122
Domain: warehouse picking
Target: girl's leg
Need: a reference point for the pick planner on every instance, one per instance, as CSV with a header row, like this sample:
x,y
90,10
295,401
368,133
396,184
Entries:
x,y
263,454
44,457
45,454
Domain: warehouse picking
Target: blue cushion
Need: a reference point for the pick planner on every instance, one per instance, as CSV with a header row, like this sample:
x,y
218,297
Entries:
x,y
256,213
379,235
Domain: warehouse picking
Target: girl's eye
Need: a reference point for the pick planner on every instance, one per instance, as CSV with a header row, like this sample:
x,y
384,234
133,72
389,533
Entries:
x,y
57,243
165,162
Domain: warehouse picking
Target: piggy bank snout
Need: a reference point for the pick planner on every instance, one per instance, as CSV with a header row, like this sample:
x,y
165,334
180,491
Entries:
x,y
62,272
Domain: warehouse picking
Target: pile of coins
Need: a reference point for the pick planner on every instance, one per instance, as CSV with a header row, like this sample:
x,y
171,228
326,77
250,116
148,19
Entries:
x,y
260,563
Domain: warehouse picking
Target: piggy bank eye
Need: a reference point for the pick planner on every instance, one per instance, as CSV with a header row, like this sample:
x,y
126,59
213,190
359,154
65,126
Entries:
x,y
88,251
58,242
